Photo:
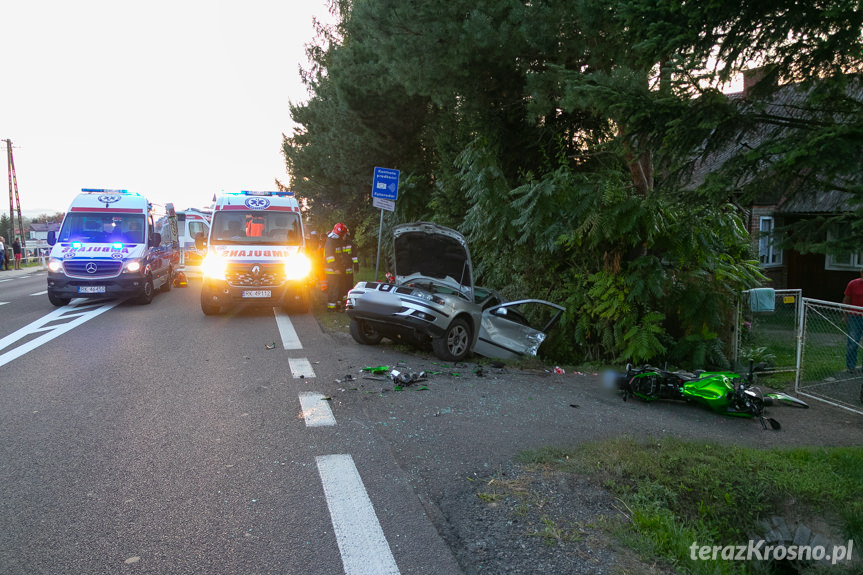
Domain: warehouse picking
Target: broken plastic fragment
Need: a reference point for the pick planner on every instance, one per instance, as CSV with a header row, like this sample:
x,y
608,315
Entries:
x,y
378,369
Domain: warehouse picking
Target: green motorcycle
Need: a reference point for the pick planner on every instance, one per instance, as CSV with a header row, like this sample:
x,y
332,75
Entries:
x,y
724,392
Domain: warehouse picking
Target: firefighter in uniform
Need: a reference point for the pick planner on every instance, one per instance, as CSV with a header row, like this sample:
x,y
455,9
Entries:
x,y
338,266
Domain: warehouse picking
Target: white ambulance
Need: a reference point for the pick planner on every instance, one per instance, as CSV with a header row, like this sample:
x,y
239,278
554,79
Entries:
x,y
112,243
255,253
192,223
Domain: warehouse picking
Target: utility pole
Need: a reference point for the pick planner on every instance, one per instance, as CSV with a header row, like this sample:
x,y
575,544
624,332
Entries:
x,y
13,184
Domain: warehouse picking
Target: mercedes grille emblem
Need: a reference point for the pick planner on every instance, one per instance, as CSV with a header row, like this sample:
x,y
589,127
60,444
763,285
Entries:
x,y
91,268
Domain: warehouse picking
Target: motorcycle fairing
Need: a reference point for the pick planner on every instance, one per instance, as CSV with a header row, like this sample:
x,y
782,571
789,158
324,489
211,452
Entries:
x,y
785,398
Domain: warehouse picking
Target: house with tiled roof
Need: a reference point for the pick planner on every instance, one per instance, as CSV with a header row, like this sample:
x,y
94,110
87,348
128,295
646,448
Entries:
x,y
820,276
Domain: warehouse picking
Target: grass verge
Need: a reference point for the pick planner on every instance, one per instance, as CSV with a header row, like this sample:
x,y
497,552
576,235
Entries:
x,y
677,493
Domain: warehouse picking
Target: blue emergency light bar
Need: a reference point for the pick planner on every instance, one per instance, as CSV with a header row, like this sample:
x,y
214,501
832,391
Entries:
x,y
250,193
104,191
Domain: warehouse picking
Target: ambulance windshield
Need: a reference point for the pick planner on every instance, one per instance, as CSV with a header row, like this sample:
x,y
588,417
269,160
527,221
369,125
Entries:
x,y
102,227
256,227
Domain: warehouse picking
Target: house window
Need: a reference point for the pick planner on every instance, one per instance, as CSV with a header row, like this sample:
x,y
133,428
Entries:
x,y
842,261
768,253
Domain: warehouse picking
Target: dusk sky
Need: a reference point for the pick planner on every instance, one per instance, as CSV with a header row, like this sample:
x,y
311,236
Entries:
x,y
177,100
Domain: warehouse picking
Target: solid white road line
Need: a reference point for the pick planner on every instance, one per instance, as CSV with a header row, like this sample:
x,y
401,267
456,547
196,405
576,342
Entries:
x,y
361,540
316,409
39,293
301,368
290,340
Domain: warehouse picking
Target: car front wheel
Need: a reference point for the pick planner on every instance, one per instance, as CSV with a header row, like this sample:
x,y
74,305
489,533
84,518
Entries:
x,y
207,305
57,300
454,345
363,333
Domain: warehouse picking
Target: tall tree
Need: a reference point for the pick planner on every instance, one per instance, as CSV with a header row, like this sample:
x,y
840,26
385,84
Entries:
x,y
562,138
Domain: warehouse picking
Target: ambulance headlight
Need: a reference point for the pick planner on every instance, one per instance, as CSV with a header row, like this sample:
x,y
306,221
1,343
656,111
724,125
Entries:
x,y
297,267
132,266
55,264
214,267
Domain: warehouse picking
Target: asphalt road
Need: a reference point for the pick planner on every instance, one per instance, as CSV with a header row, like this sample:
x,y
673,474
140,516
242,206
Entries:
x,y
154,439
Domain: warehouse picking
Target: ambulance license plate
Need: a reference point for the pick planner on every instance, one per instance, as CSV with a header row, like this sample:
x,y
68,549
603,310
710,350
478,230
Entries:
x,y
257,293
91,289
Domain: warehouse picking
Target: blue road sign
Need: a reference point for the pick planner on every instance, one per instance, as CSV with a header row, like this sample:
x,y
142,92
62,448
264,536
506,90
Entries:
x,y
386,184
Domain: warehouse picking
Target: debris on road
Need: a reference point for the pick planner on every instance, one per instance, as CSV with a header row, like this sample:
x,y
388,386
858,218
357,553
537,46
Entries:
x,y
378,369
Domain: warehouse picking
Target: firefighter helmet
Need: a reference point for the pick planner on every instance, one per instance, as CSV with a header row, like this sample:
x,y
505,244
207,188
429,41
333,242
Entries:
x,y
340,229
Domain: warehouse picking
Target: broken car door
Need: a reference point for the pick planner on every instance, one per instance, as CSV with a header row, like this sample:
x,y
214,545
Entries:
x,y
516,328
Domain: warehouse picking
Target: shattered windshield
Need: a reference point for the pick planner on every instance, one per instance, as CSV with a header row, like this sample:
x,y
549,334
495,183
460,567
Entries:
x,y
256,227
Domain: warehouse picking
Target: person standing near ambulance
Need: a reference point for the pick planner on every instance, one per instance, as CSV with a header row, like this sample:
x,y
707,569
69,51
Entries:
x,y
337,262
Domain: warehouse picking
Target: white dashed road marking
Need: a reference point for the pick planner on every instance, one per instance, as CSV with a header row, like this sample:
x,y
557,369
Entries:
x,y
290,340
361,540
39,293
316,409
301,368
362,544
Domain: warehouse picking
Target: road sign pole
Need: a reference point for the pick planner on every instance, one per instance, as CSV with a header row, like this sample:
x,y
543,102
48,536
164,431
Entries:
x,y
380,235
385,192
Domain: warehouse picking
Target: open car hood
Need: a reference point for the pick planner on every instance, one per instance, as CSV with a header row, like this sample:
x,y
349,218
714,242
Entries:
x,y
428,252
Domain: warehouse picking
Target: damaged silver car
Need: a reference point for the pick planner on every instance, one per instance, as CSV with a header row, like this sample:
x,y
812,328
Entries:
x,y
433,301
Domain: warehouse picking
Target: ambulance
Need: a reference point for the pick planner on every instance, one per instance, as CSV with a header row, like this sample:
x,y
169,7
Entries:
x,y
255,253
192,223
112,243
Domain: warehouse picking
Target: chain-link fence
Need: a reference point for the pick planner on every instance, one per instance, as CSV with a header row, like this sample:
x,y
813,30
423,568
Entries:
x,y
768,327
830,354
817,345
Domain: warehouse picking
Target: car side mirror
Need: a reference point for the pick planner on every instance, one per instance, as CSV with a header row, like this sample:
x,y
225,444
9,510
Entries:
x,y
52,238
200,242
155,239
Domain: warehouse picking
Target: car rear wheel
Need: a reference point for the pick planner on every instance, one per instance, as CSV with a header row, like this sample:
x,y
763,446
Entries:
x,y
147,292
169,281
454,345
363,333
